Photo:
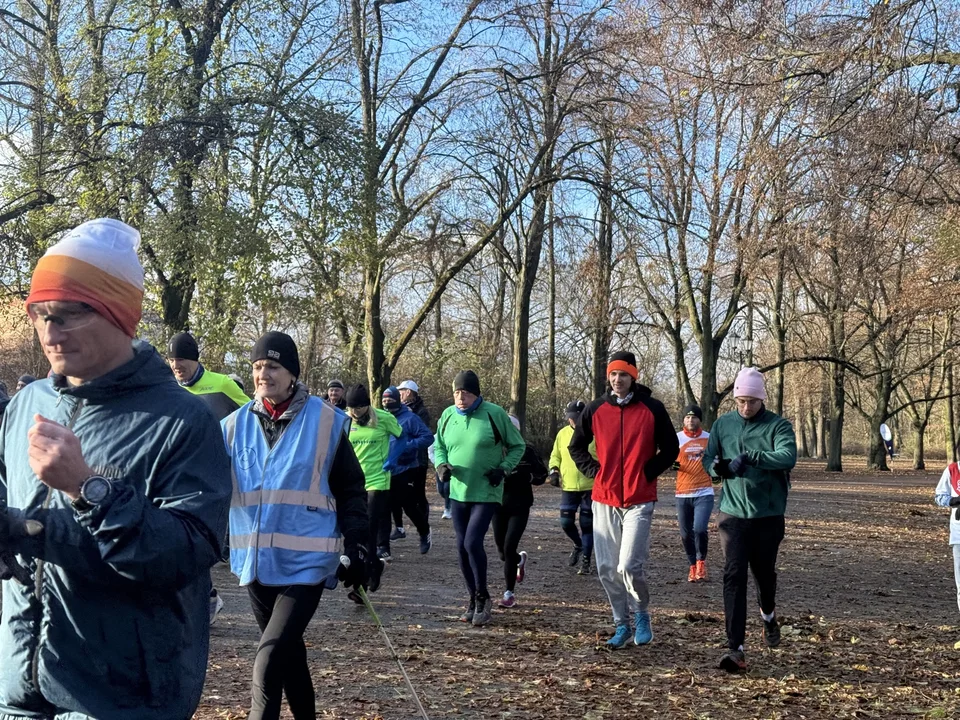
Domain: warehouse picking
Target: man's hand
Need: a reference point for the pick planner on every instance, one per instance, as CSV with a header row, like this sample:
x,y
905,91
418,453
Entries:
x,y
738,466
55,456
12,528
554,477
722,468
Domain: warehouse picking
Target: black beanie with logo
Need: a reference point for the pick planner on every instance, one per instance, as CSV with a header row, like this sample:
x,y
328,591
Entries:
x,y
280,348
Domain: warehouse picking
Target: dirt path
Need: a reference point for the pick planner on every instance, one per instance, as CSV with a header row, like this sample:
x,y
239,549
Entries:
x,y
866,598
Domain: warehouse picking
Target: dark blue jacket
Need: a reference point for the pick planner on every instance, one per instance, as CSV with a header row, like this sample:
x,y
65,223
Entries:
x,y
418,438
115,623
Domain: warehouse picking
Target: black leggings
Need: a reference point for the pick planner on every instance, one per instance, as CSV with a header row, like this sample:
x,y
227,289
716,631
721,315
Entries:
x,y
408,494
378,512
508,527
282,613
471,520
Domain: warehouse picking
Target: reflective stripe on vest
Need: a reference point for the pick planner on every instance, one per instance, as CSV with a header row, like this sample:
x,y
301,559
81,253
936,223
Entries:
x,y
283,517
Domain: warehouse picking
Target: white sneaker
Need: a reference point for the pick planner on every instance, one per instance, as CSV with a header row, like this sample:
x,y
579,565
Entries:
x,y
509,600
446,515
216,605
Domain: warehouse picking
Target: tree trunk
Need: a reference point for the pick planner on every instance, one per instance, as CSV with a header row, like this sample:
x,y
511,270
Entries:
x,y
920,428
552,328
950,431
877,450
834,453
804,450
521,330
709,398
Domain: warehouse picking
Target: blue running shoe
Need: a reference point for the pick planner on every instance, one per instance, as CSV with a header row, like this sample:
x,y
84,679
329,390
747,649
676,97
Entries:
x,y
644,632
620,638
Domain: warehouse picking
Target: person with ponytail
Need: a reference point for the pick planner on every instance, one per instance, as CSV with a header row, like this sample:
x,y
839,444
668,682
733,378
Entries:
x,y
370,434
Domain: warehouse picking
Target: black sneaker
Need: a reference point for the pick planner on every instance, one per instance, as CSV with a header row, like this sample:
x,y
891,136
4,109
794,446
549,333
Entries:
x,y
484,611
575,556
426,542
584,566
733,661
398,534
771,632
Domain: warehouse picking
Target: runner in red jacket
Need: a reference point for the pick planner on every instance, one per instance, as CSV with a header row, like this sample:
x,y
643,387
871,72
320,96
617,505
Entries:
x,y
635,442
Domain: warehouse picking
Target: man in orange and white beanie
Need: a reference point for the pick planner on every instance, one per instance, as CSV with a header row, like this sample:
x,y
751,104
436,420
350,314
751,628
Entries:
x,y
114,493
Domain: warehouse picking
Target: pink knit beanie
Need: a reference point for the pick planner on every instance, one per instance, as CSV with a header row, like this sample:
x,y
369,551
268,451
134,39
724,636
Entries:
x,y
749,383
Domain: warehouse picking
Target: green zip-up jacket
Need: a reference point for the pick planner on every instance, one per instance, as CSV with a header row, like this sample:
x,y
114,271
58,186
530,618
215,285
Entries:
x,y
372,448
473,445
771,448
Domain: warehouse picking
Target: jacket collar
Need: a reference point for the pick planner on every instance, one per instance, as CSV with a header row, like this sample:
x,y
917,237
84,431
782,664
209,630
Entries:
x,y
300,397
638,391
145,369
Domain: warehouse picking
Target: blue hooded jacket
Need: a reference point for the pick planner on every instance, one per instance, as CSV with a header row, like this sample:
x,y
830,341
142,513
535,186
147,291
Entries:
x,y
417,436
114,624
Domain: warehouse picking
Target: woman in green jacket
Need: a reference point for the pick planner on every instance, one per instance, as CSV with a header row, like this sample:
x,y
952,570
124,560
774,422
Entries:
x,y
370,434
476,446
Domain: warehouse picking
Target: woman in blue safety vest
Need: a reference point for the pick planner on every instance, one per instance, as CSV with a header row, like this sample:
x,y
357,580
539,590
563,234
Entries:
x,y
298,504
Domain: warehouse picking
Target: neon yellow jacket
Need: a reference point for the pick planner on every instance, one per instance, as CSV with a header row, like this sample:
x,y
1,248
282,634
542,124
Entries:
x,y
571,479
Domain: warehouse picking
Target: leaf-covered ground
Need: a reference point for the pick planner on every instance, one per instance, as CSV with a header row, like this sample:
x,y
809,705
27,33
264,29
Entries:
x,y
866,597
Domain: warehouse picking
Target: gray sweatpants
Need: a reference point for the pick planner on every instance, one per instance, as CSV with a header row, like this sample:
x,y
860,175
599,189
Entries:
x,y
956,570
621,545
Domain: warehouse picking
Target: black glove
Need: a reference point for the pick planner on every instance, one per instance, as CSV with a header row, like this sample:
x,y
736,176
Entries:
x,y
496,477
721,467
355,575
955,501
443,473
554,477
738,466
676,465
11,528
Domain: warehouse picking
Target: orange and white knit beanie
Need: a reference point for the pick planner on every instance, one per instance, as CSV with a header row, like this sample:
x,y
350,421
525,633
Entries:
x,y
95,263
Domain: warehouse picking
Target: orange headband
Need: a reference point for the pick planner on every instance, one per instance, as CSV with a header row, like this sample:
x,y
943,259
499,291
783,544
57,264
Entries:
x,y
624,367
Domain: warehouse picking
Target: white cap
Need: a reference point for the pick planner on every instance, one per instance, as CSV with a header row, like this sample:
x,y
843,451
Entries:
x,y
409,385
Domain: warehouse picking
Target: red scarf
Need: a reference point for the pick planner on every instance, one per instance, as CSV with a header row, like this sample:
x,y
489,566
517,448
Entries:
x,y
686,432
276,411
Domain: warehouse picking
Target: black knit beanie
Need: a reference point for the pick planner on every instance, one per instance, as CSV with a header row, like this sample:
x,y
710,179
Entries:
x,y
357,397
693,410
467,380
280,348
183,346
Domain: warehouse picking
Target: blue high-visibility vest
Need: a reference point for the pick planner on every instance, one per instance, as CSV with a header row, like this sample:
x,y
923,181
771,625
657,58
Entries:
x,y
283,517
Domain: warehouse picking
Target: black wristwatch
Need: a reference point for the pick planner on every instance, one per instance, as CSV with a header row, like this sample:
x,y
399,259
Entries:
x,y
94,491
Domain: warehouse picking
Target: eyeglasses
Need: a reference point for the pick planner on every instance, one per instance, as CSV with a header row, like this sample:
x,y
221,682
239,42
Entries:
x,y
67,319
748,402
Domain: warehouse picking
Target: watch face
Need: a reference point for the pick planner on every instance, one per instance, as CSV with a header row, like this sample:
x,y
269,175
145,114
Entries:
x,y
95,489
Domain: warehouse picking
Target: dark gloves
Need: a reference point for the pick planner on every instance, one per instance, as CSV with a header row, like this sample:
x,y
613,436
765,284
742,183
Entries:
x,y
11,528
955,501
354,573
496,477
554,477
444,472
738,466
721,467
